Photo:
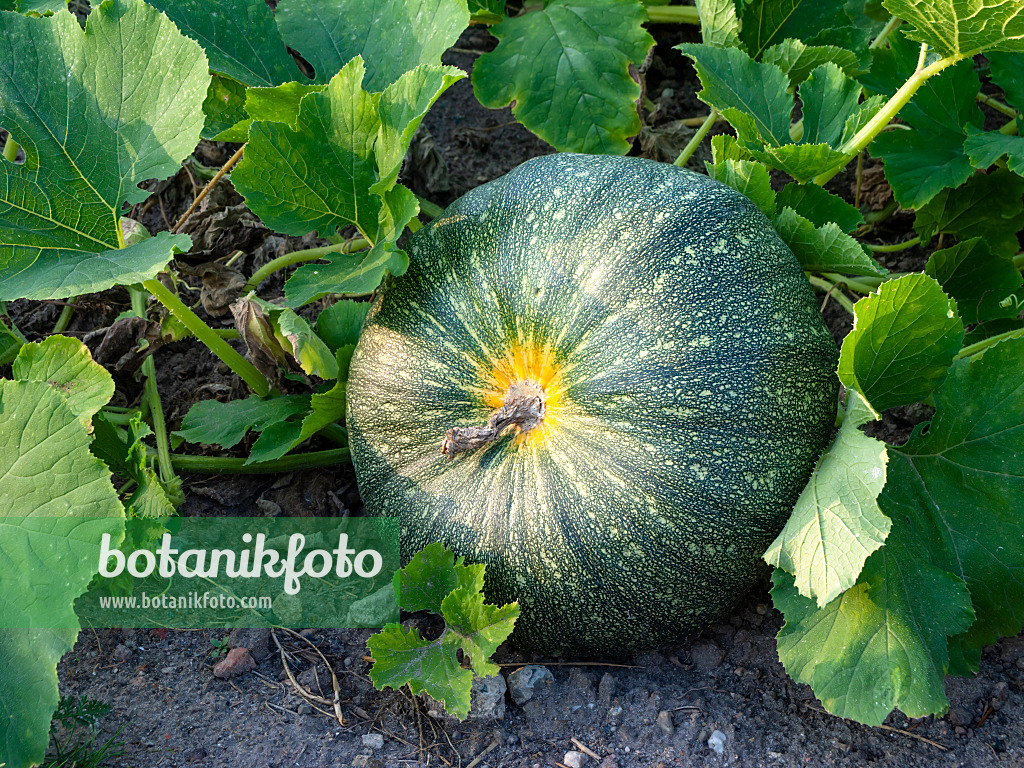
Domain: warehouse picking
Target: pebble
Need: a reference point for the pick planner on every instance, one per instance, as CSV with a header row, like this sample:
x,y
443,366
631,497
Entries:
x,y
522,683
365,761
257,641
716,742
606,689
122,653
373,740
304,709
237,662
665,722
574,759
706,655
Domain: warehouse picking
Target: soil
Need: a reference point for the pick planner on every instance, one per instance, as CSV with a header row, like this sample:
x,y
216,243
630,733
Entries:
x,y
658,709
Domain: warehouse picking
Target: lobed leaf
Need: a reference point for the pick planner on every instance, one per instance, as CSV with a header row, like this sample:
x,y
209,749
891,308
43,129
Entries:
x,y
719,25
836,522
986,147
212,422
823,249
798,60
963,28
103,112
904,339
820,206
748,177
66,365
576,92
979,281
339,324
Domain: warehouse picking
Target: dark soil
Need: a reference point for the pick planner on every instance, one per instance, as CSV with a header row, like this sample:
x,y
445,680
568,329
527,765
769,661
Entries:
x,y
658,709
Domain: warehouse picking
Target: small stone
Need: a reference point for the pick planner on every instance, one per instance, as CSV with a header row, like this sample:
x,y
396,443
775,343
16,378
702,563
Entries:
x,y
716,742
167,670
122,653
373,740
606,689
610,762
317,680
739,671
665,722
574,759
487,701
958,716
257,641
522,683
237,662
304,709
365,761
706,655
267,508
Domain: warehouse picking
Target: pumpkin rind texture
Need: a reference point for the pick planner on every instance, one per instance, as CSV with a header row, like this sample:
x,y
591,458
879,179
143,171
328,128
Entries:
x,y
689,382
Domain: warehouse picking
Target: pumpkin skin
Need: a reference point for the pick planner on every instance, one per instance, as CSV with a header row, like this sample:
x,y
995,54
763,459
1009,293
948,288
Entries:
x,y
689,382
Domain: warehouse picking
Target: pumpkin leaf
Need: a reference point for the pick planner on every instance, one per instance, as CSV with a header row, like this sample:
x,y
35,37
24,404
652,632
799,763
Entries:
x,y
988,206
829,99
903,340
820,206
953,497
930,156
961,482
801,161
279,104
240,37
435,580
322,173
138,97
985,147
749,177
10,342
798,60
733,82
836,522
823,249
1007,72
340,323
124,452
577,92
963,28
66,365
767,22
56,501
212,422
979,281
391,36
224,108
719,25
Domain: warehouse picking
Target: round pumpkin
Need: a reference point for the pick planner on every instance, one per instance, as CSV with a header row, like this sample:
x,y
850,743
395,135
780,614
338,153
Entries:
x,y
631,382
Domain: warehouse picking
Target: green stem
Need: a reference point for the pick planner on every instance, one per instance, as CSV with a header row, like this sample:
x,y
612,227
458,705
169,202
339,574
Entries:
x,y
673,14
984,344
247,371
1009,129
894,247
235,466
10,323
833,290
874,126
995,104
298,257
698,137
1018,261
877,217
884,34
227,333
117,417
11,149
427,208
152,396
66,313
336,433
862,285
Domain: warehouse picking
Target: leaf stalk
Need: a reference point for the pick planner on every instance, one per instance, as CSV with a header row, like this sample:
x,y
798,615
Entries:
x,y
299,257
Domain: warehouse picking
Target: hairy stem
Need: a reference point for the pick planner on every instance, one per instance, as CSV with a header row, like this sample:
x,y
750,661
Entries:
x,y
299,257
246,371
861,285
673,14
995,104
698,137
874,126
152,396
887,30
235,466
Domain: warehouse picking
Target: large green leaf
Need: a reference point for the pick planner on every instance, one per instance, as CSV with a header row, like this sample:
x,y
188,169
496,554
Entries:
x,y
820,206
124,452
226,424
978,280
339,325
719,25
566,68
903,340
986,147
56,501
65,364
1007,72
930,156
240,38
750,178
798,60
989,206
963,27
391,36
767,22
961,482
836,522
96,111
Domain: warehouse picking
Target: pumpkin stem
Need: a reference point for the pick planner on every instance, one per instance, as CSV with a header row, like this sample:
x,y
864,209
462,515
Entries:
x,y
525,405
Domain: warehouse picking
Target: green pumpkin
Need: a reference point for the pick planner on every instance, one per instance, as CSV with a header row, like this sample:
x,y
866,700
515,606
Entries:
x,y
686,385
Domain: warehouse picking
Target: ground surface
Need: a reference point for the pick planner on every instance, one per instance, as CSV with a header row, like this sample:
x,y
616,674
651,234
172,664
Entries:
x,y
171,710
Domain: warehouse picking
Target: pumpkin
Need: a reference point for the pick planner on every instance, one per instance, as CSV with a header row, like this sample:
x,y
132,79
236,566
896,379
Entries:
x,y
608,380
